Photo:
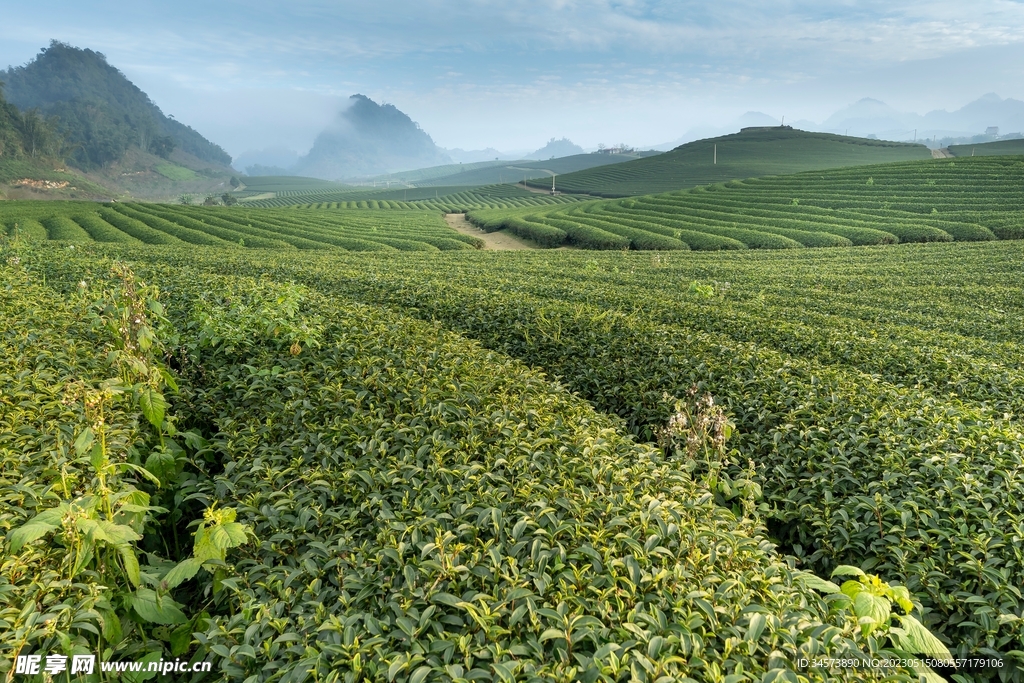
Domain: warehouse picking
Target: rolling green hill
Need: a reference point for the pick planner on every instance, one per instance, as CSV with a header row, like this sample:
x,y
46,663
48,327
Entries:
x,y
998,148
515,171
751,152
290,184
163,224
421,175
919,201
445,199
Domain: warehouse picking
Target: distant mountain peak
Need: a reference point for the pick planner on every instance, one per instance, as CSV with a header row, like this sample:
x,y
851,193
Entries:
x,y
555,149
367,139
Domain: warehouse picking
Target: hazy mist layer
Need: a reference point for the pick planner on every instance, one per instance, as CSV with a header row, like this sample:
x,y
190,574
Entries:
x,y
260,75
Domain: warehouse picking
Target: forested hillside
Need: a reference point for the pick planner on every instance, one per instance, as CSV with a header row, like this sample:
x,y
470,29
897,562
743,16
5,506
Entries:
x,y
25,133
100,113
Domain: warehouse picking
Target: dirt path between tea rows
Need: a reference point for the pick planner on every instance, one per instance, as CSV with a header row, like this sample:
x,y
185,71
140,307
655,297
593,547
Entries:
x,y
492,240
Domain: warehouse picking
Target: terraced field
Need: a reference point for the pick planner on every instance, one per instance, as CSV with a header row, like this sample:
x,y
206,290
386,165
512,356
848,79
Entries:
x,y
232,228
291,184
448,494
516,171
960,200
751,153
998,148
454,199
284,457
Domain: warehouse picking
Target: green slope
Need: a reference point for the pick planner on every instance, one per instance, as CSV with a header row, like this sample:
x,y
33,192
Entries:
x,y
749,153
454,199
421,175
275,183
986,149
515,171
965,200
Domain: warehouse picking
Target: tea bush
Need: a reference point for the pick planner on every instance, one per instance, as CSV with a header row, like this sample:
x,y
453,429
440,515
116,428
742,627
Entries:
x,y
420,508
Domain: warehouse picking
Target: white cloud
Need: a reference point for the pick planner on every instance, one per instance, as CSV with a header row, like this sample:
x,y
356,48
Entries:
x,y
478,68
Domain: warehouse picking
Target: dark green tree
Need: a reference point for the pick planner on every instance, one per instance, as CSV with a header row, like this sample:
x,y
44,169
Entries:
x,y
162,146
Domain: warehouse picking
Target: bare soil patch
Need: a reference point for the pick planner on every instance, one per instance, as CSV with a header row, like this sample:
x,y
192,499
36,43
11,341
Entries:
x,y
498,241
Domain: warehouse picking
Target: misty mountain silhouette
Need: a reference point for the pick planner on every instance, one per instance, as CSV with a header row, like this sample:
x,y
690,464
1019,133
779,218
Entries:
x,y
369,139
872,116
555,149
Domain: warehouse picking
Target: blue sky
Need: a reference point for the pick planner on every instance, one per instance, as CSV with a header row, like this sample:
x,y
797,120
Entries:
x,y
512,74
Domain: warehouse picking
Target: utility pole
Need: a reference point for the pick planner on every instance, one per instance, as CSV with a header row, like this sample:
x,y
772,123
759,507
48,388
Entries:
x,y
915,135
716,154
553,182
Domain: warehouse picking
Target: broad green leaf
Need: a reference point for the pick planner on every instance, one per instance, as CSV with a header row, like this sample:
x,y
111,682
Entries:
x,y
169,380
872,607
111,626
852,588
161,464
757,623
919,640
156,609
144,674
183,571
153,405
181,639
84,555
817,583
234,534
118,534
146,474
83,444
131,565
551,634
504,671
37,527
420,674
902,597
847,570
397,666
445,599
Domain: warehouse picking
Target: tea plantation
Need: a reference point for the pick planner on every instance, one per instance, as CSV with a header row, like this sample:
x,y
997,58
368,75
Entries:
x,y
232,228
298,486
922,201
227,437
307,465
751,152
447,199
